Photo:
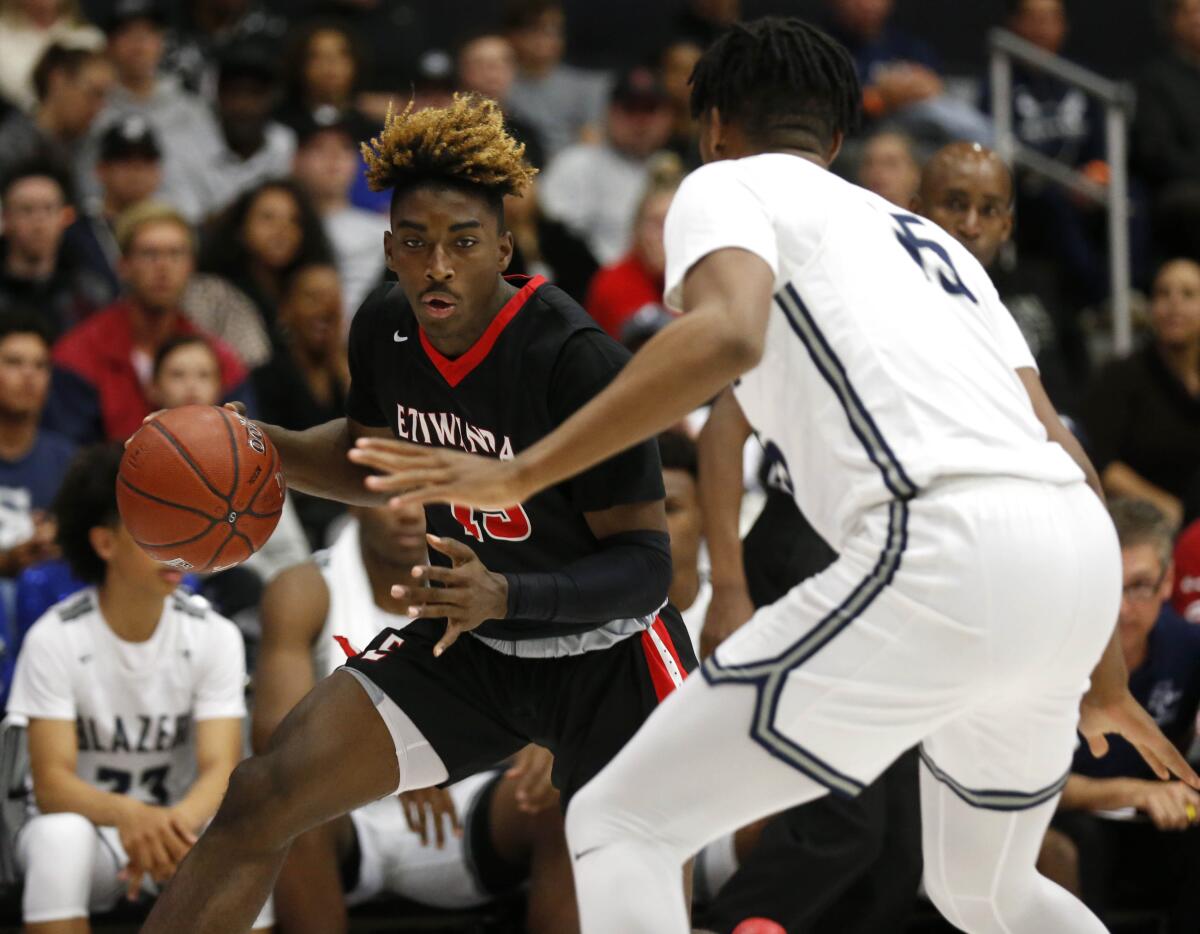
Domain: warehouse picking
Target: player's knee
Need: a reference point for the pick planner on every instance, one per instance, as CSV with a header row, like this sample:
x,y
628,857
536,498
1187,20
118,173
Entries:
x,y
986,903
255,799
50,836
597,815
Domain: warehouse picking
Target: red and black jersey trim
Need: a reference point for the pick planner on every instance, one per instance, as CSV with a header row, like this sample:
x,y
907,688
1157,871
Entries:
x,y
456,370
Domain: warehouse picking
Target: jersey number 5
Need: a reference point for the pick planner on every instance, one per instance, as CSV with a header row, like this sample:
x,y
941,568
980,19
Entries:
x,y
503,525
917,247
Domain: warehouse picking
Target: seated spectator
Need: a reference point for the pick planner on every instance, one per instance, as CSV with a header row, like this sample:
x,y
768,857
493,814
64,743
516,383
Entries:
x,y
202,30
433,80
1063,123
323,68
889,168
249,149
129,170
72,88
691,588
1185,598
564,104
39,269
1136,835
187,371
326,164
1055,118
968,190
181,122
543,246
266,234
675,66
457,847
27,29
33,460
306,382
899,75
134,716
107,363
619,291
1142,414
487,65
1166,132
594,188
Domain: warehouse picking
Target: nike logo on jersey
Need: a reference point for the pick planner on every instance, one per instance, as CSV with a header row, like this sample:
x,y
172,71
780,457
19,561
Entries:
x,y
398,339
582,853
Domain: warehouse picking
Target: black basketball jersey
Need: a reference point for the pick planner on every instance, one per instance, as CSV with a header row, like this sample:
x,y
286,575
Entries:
x,y
540,359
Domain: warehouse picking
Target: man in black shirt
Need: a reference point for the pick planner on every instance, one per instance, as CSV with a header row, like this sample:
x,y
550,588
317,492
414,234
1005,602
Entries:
x,y
571,643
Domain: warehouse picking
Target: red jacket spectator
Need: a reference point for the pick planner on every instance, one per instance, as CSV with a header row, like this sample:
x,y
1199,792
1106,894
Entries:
x,y
100,353
619,290
1186,598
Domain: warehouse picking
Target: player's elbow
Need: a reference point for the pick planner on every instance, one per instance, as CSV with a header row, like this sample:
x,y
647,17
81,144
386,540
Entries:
x,y
736,350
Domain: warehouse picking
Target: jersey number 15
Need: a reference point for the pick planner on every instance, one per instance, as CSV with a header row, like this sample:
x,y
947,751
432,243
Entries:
x,y
503,525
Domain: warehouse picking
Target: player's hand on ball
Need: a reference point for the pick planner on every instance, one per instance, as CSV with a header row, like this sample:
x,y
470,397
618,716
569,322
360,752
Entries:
x,y
428,812
531,770
238,408
469,593
438,475
729,609
1170,805
1123,715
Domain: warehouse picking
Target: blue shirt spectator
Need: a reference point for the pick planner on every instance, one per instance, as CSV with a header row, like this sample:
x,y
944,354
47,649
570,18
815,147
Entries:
x,y
1167,684
32,460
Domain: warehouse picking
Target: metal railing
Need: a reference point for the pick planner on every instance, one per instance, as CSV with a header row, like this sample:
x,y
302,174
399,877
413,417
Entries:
x,y
1117,98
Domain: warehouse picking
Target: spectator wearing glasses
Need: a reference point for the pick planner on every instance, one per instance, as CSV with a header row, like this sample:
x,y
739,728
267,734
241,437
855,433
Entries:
x,y
106,366
1136,836
39,268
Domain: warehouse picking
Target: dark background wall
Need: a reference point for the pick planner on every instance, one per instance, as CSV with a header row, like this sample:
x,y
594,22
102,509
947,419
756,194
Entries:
x,y
1113,36
1116,37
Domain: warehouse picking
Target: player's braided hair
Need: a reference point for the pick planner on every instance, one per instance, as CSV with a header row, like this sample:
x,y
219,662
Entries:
x,y
777,76
463,144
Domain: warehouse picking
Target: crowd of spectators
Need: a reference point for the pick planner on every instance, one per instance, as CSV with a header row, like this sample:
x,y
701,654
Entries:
x,y
184,219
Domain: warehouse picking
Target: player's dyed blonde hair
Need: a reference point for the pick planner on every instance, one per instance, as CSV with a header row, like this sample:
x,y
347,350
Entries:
x,y
462,144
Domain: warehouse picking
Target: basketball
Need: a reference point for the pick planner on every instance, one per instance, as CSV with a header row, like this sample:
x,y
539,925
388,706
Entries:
x,y
200,488
759,926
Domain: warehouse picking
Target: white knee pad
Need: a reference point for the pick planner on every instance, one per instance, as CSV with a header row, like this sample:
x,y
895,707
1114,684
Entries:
x,y
59,854
599,814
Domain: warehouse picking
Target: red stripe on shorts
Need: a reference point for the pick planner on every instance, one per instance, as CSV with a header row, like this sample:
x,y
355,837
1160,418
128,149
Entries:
x,y
350,650
666,671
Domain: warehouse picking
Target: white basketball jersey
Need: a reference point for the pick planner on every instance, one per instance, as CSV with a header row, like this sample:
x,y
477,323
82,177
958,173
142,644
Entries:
x,y
353,619
134,704
890,361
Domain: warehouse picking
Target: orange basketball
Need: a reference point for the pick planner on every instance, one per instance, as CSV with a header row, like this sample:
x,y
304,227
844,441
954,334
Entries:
x,y
200,488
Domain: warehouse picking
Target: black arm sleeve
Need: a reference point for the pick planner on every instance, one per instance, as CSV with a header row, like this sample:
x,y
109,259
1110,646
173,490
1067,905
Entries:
x,y
627,578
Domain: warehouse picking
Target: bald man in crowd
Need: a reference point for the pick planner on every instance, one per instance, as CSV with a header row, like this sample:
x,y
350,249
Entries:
x,y
968,191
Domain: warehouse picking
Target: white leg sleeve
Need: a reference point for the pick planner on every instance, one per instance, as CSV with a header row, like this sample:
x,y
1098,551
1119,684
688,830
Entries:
x,y
979,867
65,862
689,775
